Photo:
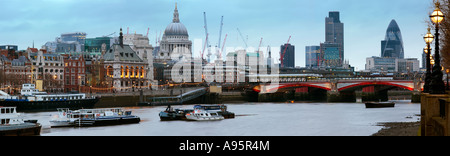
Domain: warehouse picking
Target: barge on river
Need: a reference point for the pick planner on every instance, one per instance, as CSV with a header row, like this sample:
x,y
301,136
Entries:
x,y
182,114
32,99
380,104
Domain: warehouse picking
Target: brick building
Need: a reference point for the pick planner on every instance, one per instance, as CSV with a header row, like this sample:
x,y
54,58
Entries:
x,y
74,73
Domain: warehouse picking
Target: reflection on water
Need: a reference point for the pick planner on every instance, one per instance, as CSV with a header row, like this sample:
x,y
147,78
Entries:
x,y
254,119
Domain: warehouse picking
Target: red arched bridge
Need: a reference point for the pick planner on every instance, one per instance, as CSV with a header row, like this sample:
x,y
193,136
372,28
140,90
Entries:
x,y
342,85
341,90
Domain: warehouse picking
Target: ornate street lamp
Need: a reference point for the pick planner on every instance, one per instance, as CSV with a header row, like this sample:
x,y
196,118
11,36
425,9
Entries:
x,y
428,39
447,87
437,85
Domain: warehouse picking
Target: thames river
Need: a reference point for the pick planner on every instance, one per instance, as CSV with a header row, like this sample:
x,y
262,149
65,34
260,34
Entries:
x,y
253,119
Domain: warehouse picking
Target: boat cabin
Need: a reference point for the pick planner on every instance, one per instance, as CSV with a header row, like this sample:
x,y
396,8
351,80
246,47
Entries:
x,y
9,115
30,90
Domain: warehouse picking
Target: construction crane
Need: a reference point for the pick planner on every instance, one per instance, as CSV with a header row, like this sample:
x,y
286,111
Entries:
x,y
148,31
207,41
260,43
204,47
223,45
110,34
284,52
243,39
219,53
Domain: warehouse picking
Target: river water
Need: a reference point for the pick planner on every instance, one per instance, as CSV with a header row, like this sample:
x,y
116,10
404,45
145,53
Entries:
x,y
254,119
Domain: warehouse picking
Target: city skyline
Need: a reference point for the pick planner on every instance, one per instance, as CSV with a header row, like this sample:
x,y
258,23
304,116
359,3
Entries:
x,y
44,20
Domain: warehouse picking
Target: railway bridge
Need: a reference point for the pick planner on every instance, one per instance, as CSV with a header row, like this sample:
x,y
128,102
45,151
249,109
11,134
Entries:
x,y
339,90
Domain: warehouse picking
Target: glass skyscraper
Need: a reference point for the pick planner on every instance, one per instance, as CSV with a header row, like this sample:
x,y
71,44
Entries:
x,y
312,56
392,45
334,37
331,55
80,37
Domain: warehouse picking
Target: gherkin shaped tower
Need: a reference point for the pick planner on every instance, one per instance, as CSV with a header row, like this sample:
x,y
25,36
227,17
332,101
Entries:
x,y
392,45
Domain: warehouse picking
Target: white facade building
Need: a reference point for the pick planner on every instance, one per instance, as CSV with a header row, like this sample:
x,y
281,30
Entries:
x,y
49,68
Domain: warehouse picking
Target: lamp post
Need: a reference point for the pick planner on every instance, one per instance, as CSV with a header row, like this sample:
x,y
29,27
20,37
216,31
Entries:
x,y
428,39
447,87
437,85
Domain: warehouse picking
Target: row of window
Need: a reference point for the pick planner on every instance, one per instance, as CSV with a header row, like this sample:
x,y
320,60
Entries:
x,y
49,64
77,64
62,98
127,72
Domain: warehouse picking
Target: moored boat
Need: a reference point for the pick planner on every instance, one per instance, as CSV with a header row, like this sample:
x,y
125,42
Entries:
x,y
13,124
171,114
203,115
181,114
62,119
32,99
220,109
100,117
379,104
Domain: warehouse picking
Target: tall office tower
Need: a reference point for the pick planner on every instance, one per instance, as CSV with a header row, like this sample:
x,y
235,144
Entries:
x,y
334,34
424,61
392,45
289,56
312,56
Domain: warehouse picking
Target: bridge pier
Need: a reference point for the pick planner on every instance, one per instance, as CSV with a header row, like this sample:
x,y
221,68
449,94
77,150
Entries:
x,y
277,97
375,96
334,96
310,94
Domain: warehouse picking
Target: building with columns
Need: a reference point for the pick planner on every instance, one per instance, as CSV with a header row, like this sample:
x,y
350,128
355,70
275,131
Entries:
x,y
175,41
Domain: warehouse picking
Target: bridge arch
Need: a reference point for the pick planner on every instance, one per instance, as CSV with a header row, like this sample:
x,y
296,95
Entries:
x,y
356,85
323,86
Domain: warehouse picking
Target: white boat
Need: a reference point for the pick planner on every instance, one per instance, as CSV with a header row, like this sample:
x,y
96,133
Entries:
x,y
92,117
13,124
203,115
63,118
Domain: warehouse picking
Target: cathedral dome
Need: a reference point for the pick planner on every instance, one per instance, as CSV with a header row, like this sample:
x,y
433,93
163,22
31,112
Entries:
x,y
176,28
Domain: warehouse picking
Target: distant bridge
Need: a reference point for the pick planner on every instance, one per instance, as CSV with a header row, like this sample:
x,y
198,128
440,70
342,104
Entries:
x,y
176,100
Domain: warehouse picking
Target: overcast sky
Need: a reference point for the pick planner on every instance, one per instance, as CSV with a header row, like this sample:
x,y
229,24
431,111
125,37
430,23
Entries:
x,y
365,22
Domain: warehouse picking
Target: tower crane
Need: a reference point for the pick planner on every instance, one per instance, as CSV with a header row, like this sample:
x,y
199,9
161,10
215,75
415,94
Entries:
x,y
110,34
207,41
223,45
284,52
203,52
260,42
243,39
219,53
148,31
